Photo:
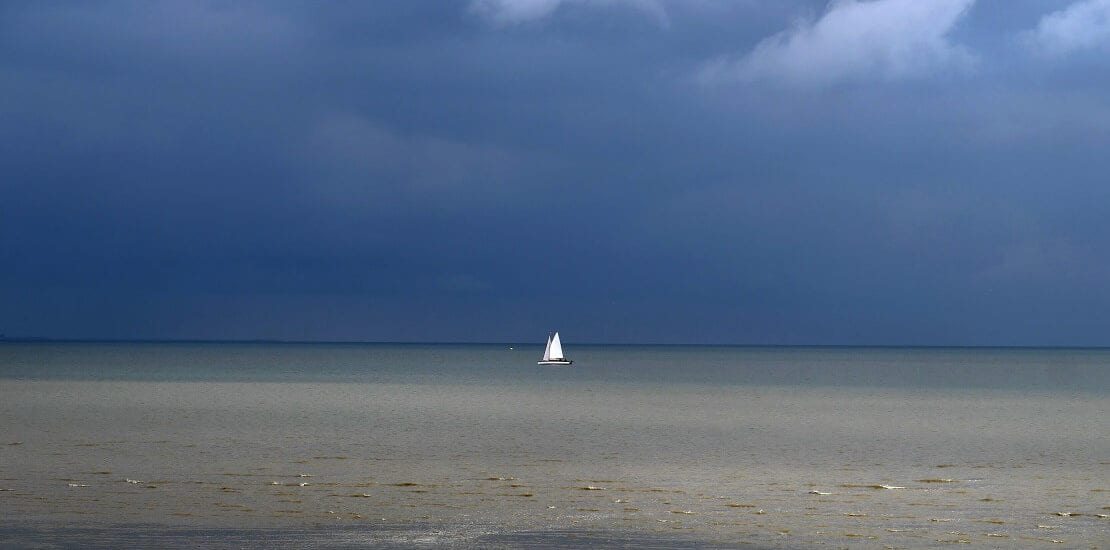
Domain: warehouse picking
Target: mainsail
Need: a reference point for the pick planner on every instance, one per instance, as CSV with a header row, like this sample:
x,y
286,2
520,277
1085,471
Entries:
x,y
554,349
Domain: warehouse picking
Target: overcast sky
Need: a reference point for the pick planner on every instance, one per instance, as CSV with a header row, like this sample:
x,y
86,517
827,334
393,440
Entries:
x,y
926,172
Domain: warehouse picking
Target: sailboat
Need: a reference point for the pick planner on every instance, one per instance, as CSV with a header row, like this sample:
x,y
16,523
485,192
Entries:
x,y
553,354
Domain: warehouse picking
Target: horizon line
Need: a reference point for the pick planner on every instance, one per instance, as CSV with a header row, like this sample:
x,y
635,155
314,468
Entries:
x,y
52,340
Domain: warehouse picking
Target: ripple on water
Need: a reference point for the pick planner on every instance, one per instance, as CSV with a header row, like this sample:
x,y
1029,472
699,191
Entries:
x,y
870,486
996,521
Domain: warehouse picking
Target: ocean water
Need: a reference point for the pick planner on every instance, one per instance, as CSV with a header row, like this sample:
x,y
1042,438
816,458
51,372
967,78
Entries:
x,y
377,445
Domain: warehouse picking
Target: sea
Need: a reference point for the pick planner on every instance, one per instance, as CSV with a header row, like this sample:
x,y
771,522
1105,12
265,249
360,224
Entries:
x,y
265,445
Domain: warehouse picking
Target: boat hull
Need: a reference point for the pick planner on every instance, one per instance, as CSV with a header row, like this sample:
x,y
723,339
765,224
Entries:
x,y
555,362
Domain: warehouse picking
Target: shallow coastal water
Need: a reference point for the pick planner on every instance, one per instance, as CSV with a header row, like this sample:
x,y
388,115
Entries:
x,y
633,446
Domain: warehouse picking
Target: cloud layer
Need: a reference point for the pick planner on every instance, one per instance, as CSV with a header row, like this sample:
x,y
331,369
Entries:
x,y
510,12
484,170
1081,26
853,39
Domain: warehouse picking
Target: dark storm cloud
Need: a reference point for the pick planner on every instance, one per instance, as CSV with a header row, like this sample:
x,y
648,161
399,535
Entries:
x,y
639,170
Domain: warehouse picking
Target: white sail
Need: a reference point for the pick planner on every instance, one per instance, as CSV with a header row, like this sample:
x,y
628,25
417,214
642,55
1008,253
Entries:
x,y
554,349
547,350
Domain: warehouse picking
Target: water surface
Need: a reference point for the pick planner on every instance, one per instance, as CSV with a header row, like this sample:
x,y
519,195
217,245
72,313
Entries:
x,y
475,445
